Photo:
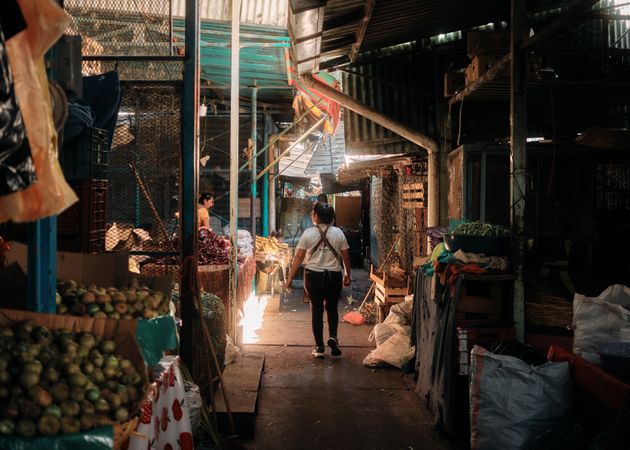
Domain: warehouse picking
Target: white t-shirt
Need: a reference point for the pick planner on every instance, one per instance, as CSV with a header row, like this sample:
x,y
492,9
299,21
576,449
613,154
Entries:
x,y
322,258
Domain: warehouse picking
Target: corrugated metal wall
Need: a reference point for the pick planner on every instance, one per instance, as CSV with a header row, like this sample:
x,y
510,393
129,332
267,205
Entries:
x,y
262,12
400,86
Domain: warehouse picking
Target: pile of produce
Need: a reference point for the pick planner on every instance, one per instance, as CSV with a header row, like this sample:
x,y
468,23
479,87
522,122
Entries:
x,y
269,245
54,382
213,249
481,229
134,302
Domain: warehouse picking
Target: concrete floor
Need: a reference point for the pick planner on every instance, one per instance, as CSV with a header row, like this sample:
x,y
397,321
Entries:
x,y
307,403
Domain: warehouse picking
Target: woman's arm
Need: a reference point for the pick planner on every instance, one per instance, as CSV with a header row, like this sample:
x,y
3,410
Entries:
x,y
345,254
295,266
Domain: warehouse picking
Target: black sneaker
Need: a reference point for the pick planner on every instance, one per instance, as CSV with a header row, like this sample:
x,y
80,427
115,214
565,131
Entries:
x,y
318,352
334,346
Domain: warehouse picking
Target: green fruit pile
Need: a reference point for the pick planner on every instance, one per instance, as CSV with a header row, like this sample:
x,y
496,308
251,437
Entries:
x,y
54,382
134,302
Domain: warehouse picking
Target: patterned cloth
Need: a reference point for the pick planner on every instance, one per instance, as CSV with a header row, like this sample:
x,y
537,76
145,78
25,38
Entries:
x,y
164,415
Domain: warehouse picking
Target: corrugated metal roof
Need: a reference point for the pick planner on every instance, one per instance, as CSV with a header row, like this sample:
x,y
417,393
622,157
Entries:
x,y
398,21
331,155
262,57
296,162
260,12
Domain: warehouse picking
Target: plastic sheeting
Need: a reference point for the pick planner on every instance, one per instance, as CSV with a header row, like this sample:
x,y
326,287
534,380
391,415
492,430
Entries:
x,y
97,439
155,336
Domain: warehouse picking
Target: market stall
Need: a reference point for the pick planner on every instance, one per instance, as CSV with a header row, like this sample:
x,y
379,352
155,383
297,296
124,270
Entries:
x,y
272,261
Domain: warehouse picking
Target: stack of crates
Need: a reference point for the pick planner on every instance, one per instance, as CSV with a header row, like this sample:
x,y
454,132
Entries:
x,y
387,292
84,161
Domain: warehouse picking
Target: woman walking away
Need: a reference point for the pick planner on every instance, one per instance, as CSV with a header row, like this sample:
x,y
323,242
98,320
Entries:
x,y
326,251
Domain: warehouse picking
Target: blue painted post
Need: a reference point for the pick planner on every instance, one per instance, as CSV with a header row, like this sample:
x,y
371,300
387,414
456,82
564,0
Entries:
x,y
42,265
265,195
188,287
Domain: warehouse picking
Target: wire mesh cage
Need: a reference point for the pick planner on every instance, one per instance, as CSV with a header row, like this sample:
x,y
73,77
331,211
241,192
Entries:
x,y
135,39
123,27
386,206
144,168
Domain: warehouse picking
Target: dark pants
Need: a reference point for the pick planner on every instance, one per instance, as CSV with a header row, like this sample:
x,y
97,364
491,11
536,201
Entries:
x,y
324,290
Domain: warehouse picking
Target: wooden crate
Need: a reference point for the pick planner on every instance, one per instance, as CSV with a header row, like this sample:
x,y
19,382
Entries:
x,y
385,281
413,195
382,310
472,307
390,295
482,298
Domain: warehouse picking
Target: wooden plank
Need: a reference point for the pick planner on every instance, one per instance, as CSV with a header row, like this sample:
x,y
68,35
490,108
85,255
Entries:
x,y
242,381
413,205
362,28
413,186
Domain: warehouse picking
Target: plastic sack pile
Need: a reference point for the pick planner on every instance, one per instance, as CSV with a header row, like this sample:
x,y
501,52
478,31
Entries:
x,y
600,320
514,405
392,338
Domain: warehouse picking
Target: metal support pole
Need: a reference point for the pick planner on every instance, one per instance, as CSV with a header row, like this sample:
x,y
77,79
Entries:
x,y
407,132
189,290
265,194
171,45
234,128
518,159
254,166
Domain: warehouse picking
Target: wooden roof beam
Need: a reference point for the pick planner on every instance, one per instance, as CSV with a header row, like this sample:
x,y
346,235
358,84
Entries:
x,y
363,26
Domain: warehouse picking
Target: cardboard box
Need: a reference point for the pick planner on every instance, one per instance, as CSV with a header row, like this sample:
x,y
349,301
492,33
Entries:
x,y
102,269
453,82
348,212
482,63
487,43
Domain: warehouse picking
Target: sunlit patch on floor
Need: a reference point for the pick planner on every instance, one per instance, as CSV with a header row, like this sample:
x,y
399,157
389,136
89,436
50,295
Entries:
x,y
254,310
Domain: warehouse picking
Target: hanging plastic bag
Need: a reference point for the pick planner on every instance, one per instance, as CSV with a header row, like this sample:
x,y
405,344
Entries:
x,y
17,171
51,194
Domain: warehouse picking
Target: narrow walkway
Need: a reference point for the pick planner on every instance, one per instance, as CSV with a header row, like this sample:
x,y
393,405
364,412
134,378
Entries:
x,y
308,403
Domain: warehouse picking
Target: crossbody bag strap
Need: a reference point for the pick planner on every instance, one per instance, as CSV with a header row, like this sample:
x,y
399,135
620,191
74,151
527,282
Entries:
x,y
324,240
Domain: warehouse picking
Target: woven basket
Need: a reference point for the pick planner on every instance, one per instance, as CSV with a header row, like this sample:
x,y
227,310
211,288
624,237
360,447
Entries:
x,y
549,311
122,431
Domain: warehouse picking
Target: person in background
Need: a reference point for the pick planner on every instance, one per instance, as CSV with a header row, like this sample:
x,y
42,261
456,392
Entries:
x,y
327,254
206,201
323,198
